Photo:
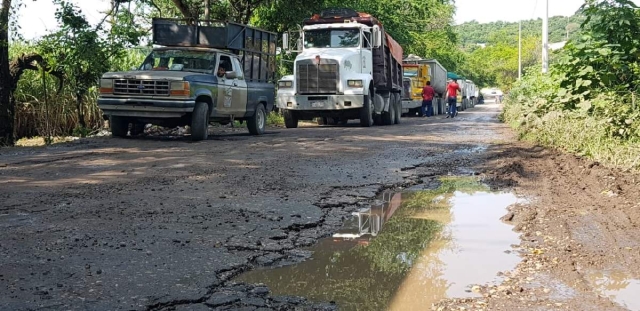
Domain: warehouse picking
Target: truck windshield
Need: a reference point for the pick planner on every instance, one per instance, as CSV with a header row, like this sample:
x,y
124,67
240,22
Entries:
x,y
410,72
331,38
179,60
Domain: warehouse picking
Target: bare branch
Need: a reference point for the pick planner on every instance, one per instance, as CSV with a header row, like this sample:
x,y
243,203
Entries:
x,y
26,62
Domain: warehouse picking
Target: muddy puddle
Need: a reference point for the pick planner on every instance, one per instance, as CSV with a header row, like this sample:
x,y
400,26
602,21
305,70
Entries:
x,y
411,250
618,287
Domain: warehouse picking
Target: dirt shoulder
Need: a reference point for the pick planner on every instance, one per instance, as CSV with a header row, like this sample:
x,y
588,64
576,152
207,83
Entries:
x,y
580,237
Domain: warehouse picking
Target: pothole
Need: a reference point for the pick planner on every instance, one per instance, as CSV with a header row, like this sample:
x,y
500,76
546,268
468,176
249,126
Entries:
x,y
406,252
618,287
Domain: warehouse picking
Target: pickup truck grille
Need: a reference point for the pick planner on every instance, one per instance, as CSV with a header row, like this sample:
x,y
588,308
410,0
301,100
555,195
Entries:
x,y
317,79
141,87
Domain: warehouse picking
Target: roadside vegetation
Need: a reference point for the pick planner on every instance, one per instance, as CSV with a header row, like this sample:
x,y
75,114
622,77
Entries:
x,y
588,102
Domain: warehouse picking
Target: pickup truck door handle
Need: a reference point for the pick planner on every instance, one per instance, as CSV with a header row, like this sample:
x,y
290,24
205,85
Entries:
x,y
235,84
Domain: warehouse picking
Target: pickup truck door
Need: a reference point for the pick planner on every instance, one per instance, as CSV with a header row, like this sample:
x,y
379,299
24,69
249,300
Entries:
x,y
232,93
239,87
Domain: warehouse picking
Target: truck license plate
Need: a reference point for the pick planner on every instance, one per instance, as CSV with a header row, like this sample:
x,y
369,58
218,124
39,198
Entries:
x,y
317,104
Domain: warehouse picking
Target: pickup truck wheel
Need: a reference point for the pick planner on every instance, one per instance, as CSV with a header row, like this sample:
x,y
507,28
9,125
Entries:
x,y
200,122
119,126
366,112
290,119
258,121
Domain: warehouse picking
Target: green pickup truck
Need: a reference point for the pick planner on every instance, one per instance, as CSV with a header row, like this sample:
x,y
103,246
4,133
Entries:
x,y
204,72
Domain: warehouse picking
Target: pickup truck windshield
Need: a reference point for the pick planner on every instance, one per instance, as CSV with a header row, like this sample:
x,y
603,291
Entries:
x,y
180,60
331,38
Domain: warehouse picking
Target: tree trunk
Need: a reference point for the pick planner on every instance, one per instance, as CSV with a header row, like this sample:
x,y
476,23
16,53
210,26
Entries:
x,y
7,110
207,10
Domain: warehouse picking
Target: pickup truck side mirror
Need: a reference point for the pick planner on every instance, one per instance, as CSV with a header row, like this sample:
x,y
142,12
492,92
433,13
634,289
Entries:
x,y
231,75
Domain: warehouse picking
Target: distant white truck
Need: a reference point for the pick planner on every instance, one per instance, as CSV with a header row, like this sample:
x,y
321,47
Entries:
x,y
347,67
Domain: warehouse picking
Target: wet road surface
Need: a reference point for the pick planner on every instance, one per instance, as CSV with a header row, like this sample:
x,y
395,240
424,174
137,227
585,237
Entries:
x,y
162,223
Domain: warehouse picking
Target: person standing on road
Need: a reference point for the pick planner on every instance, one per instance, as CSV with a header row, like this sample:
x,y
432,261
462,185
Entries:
x,y
427,99
452,97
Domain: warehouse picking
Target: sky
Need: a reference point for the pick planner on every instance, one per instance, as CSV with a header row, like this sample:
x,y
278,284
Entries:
x,y
38,16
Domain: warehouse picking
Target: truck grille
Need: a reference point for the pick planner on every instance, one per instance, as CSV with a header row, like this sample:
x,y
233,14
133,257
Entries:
x,y
317,79
141,87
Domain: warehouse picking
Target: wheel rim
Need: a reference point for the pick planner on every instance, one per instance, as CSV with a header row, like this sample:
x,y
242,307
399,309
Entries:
x,y
260,119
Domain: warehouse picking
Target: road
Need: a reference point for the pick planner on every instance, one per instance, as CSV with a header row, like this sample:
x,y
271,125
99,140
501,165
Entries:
x,y
163,223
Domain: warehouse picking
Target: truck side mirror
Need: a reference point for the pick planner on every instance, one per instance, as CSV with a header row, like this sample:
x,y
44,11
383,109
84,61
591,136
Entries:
x,y
377,36
299,42
285,41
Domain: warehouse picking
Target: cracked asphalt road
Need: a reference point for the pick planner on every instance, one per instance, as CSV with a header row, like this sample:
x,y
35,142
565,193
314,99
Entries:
x,y
159,223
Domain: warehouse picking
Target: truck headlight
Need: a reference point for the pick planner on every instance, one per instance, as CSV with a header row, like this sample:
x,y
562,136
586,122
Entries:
x,y
180,88
285,84
354,83
106,86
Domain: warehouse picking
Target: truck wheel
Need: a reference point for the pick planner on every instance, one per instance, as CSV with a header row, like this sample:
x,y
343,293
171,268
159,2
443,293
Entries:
x,y
389,117
119,126
200,122
366,112
398,108
258,121
290,119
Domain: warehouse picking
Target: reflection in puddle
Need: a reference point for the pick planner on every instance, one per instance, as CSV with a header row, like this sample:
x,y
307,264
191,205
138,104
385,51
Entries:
x,y
437,243
618,287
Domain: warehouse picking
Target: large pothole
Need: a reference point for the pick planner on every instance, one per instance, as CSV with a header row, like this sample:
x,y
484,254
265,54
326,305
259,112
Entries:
x,y
406,252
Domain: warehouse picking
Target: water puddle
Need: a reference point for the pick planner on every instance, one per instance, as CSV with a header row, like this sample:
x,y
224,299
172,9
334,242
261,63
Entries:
x,y
618,287
414,250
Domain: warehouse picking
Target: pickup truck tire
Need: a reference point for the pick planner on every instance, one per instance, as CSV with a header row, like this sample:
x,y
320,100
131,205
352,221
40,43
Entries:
x,y
366,112
258,121
119,126
290,119
200,122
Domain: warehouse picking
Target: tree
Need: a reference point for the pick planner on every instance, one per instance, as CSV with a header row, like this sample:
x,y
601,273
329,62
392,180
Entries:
x,y
10,73
84,52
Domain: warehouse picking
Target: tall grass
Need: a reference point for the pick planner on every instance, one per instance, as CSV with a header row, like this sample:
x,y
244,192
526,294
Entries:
x,y
56,114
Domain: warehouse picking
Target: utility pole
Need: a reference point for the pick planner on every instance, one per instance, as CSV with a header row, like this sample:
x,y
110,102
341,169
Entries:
x,y
520,50
545,37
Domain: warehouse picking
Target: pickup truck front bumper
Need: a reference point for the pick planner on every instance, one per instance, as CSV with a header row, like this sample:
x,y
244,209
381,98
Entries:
x,y
145,108
319,102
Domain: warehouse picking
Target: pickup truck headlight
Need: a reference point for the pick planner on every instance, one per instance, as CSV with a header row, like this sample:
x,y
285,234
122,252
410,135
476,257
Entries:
x,y
180,88
354,83
106,86
285,84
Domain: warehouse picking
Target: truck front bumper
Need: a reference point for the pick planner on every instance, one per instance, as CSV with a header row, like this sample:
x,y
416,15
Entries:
x,y
145,108
319,102
410,104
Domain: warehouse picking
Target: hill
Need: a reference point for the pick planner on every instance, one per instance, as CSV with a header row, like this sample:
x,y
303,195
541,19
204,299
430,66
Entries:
x,y
472,33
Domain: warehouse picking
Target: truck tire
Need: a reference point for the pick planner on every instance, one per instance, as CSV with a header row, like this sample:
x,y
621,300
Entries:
x,y
258,122
366,112
200,122
398,108
290,119
119,126
389,117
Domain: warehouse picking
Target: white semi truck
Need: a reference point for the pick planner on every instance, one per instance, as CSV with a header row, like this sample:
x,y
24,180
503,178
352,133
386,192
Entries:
x,y
347,67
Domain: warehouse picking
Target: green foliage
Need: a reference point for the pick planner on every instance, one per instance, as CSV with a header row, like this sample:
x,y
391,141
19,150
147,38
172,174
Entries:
x,y
587,103
473,33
